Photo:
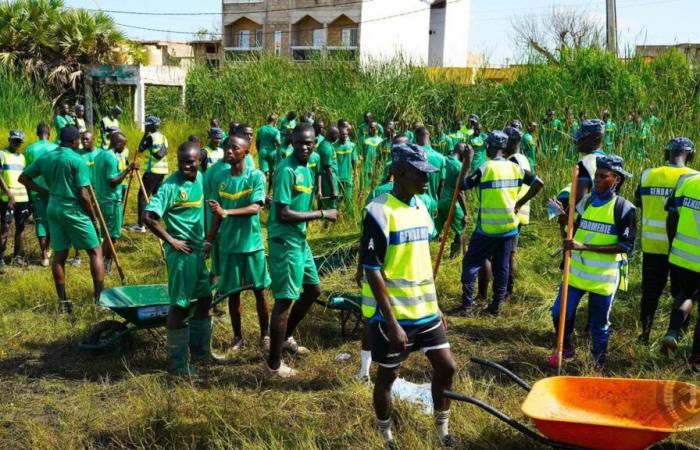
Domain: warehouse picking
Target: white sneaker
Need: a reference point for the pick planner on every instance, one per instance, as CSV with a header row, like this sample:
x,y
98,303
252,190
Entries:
x,y
45,262
237,344
137,228
76,262
291,346
284,371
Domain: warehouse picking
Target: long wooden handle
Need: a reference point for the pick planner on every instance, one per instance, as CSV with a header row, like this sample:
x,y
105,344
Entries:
x,y
448,224
103,224
128,186
567,266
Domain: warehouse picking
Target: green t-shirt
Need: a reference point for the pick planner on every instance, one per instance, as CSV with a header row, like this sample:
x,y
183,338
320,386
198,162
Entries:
x,y
64,171
34,152
106,168
347,156
283,153
180,203
382,189
434,178
314,166
370,146
458,136
268,137
363,131
240,234
292,186
328,158
452,169
610,135
61,122
411,136
478,143
89,158
529,147
443,144
210,186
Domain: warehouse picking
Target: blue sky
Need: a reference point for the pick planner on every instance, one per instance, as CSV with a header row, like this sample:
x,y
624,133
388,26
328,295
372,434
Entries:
x,y
639,21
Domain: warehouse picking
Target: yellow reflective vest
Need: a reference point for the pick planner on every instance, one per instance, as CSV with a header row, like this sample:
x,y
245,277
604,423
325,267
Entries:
x,y
214,155
153,164
685,248
107,123
407,269
499,189
656,187
12,166
599,273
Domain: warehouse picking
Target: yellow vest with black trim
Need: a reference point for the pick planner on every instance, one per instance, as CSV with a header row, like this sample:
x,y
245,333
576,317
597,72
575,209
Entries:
x,y
685,248
407,269
107,123
153,164
656,187
214,155
524,213
499,189
12,166
591,271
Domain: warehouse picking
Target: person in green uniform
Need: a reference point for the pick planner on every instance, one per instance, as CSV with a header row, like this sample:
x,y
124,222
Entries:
x,y
550,135
286,126
107,179
468,129
442,142
363,131
245,131
478,142
14,201
294,277
41,224
368,156
63,118
347,158
72,220
453,167
155,145
529,144
109,124
611,132
330,191
385,148
87,152
436,179
236,206
653,124
456,135
639,137
180,203
267,140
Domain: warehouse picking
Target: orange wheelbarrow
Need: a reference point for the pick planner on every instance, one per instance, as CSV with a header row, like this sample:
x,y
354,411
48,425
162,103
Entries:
x,y
600,413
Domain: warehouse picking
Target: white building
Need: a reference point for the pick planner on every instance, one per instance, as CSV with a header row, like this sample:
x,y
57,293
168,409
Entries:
x,y
428,32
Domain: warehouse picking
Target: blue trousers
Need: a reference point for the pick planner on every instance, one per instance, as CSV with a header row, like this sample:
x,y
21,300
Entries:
x,y
482,247
598,314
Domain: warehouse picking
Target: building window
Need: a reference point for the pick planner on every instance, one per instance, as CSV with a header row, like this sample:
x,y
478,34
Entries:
x,y
278,43
211,49
244,39
259,37
318,37
348,37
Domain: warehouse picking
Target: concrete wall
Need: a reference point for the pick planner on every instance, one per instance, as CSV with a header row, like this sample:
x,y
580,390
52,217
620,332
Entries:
x,y
456,48
436,44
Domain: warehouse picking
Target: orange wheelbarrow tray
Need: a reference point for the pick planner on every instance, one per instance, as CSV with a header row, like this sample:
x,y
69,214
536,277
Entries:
x,y
600,413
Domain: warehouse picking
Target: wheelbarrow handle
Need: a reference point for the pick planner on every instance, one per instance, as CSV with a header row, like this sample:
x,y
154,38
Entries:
x,y
510,421
220,297
519,381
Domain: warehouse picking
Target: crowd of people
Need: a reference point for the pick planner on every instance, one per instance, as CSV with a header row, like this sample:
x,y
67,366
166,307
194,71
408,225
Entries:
x,y
411,183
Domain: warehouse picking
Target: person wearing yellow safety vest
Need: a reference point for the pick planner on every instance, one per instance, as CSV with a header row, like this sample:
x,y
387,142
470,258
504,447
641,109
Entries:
x,y
588,139
499,182
683,228
155,145
109,124
654,190
14,201
604,232
398,292
213,150
513,155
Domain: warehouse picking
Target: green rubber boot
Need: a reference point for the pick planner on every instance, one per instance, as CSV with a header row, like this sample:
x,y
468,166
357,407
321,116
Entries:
x,y
200,341
178,352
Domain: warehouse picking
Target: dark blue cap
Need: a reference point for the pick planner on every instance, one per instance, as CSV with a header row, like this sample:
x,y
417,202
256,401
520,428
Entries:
x,y
69,134
412,154
152,120
513,134
614,163
474,118
589,127
680,144
216,133
497,139
516,123
116,110
16,135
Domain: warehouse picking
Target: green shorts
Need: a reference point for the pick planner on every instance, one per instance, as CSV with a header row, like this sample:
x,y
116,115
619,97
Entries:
x,y
240,269
291,267
113,214
188,277
41,221
69,226
267,159
443,211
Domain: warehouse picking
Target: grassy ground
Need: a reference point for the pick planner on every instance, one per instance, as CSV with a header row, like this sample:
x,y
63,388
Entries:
x,y
57,396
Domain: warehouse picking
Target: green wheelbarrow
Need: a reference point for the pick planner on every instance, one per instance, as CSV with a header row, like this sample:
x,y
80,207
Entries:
x,y
143,307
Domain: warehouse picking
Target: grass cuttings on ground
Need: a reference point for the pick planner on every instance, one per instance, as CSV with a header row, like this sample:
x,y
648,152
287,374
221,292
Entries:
x,y
57,396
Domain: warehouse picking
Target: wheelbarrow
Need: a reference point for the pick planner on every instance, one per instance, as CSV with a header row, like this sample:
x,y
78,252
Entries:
x,y
599,413
142,307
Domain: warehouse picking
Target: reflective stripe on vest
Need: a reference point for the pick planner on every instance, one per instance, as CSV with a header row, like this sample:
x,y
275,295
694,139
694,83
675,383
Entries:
x,y
12,166
153,164
501,181
214,155
407,270
596,272
685,248
522,161
656,186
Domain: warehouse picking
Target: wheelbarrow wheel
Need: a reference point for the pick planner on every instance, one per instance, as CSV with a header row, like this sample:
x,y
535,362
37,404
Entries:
x,y
109,335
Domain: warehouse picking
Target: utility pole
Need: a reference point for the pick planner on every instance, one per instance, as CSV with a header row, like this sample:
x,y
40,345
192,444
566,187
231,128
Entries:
x,y
611,26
